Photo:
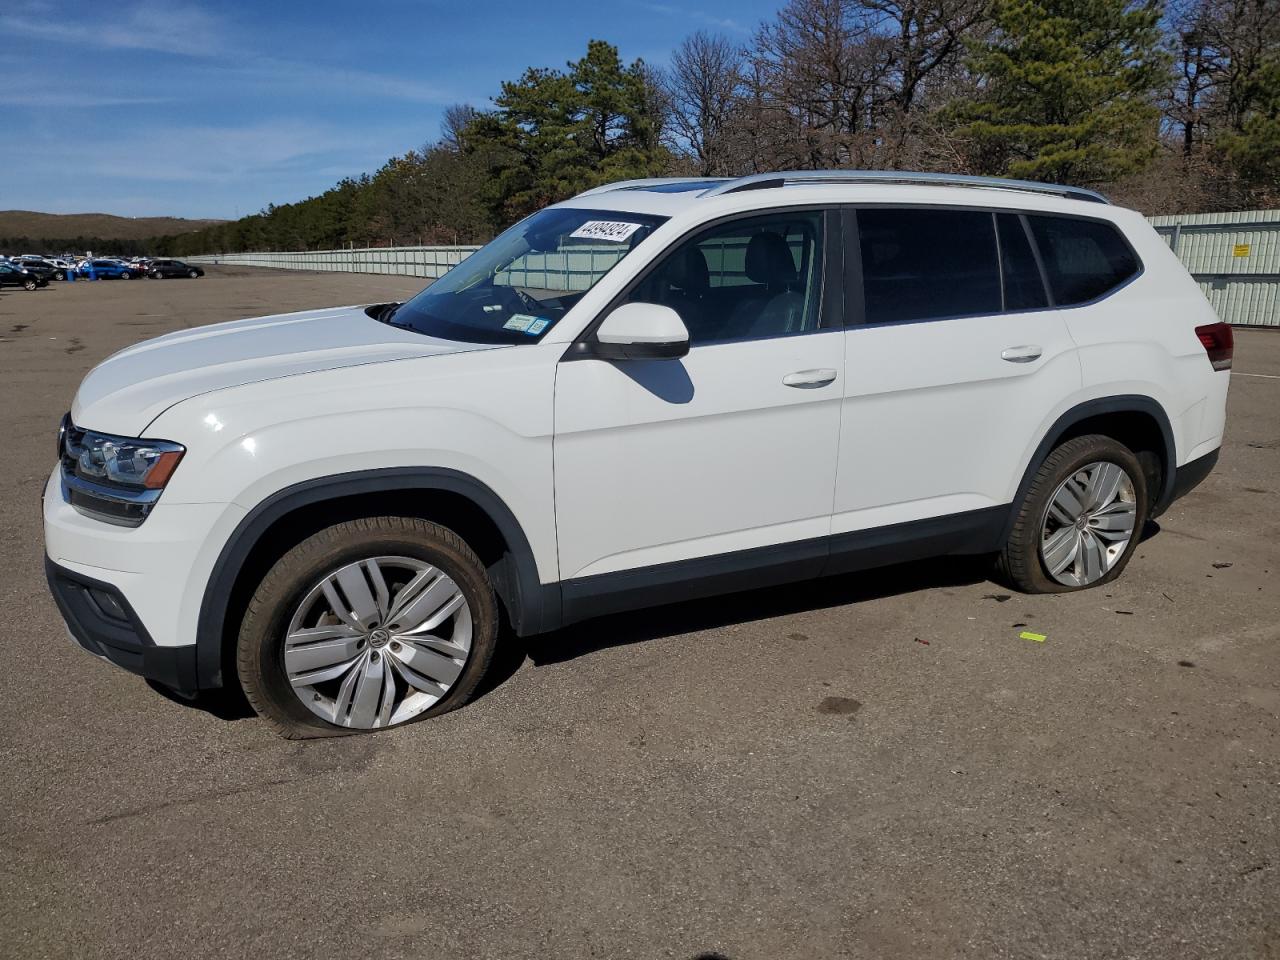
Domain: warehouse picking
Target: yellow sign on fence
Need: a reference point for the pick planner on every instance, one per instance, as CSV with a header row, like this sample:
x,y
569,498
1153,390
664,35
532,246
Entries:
x,y
1240,250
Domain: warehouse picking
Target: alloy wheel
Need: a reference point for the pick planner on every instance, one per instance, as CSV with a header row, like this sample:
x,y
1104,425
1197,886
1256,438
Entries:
x,y
376,642
1090,520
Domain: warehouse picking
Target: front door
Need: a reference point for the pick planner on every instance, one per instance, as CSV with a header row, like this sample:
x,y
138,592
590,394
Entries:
x,y
730,450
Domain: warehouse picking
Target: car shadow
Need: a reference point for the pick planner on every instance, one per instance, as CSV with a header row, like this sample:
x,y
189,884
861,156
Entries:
x,y
654,623
729,609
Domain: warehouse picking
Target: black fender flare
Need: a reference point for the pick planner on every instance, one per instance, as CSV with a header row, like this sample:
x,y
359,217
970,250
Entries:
x,y
1127,403
533,607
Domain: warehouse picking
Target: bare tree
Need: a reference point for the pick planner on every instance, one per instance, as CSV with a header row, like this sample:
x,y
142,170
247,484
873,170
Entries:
x,y
703,86
453,128
923,44
819,71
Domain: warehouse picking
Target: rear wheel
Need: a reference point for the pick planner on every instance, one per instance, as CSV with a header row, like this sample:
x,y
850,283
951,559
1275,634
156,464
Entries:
x,y
366,625
1079,522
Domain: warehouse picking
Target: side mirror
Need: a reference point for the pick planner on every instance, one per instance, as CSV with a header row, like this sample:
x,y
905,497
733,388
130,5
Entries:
x,y
642,331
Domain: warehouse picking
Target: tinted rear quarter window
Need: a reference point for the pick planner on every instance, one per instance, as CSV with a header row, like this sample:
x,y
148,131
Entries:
x,y
1083,259
926,264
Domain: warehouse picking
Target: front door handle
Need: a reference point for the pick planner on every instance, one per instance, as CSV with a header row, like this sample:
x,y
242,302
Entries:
x,y
808,379
1023,354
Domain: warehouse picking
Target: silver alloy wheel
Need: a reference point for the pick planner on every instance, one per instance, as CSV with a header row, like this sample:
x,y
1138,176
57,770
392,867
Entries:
x,y
1089,523
376,642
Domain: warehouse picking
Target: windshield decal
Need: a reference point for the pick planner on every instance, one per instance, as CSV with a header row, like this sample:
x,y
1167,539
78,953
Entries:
x,y
615,231
519,322
538,326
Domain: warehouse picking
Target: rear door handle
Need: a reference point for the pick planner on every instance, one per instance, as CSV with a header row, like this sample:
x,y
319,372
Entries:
x,y
1023,354
809,378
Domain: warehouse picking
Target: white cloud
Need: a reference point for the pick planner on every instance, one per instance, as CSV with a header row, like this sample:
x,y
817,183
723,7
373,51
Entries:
x,y
168,27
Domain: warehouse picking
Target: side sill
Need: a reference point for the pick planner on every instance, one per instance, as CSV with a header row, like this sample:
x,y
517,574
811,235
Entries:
x,y
975,531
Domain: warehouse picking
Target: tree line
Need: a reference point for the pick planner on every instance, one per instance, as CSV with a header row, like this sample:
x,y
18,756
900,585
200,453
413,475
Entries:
x,y
1170,107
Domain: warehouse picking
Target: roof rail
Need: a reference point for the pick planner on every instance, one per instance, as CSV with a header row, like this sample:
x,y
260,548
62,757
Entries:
x,y
762,181
646,182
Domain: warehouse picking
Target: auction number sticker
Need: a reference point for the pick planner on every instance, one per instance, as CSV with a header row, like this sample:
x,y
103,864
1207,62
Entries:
x,y
615,231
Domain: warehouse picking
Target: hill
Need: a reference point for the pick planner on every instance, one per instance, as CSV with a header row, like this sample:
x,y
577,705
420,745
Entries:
x,y
28,223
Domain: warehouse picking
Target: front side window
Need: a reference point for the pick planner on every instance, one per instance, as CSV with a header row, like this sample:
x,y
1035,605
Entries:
x,y
744,279
1083,259
525,280
922,264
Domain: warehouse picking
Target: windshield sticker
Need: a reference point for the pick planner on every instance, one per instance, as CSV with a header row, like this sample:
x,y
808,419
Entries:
x,y
519,321
615,231
537,326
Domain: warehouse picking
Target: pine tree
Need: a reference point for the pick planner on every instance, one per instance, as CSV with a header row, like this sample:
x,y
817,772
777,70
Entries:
x,y
1067,91
555,133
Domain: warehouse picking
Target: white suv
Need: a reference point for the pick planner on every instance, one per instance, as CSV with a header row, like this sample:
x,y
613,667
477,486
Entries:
x,y
657,390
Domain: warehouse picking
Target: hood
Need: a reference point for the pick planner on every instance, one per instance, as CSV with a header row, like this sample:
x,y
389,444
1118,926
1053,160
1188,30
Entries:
x,y
129,389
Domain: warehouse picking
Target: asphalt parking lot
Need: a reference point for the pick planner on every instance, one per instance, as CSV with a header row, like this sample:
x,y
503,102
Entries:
x,y
874,766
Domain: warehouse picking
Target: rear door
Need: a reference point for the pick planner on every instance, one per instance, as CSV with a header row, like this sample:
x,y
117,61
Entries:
x,y
953,358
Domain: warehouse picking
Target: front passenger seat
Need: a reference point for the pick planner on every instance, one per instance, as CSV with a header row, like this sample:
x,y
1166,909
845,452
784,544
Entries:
x,y
775,306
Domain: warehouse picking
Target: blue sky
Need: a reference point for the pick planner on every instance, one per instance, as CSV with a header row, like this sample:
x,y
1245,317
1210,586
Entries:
x,y
181,108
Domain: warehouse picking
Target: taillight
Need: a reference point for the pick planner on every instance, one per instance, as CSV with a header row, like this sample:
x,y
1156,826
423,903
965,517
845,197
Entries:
x,y
1219,344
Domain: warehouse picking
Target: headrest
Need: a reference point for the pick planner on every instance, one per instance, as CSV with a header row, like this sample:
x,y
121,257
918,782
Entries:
x,y
769,260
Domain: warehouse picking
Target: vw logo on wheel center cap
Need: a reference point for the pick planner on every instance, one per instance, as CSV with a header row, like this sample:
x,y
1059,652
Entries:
x,y
379,638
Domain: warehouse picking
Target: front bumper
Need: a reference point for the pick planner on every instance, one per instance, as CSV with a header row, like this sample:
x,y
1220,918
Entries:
x,y
100,619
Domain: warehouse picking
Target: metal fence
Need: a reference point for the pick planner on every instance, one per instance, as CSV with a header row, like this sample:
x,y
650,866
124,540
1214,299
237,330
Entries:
x,y
428,262
1235,257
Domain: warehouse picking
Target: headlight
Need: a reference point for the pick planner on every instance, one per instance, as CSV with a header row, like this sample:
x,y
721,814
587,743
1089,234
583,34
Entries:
x,y
116,479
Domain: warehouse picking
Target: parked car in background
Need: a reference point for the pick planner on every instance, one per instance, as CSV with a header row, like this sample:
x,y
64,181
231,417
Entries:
x,y
42,267
109,269
173,268
15,276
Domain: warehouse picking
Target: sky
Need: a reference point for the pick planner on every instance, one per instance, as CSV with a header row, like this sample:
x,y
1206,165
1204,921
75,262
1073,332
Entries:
x,y
214,109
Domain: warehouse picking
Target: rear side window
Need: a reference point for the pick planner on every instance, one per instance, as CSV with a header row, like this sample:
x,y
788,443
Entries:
x,y
1023,286
927,264
1083,259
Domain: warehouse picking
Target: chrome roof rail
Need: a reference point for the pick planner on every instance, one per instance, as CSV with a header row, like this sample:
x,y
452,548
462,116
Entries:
x,y
647,182
763,181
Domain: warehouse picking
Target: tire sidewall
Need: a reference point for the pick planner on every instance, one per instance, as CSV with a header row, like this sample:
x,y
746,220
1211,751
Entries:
x,y
1099,449
260,646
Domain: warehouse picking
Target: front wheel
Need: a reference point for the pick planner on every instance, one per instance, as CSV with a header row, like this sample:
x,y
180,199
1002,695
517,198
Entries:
x,y
59,275
193,274
126,276
368,624
1080,520
29,284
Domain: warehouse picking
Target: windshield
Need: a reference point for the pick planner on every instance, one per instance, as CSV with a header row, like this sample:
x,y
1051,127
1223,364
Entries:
x,y
520,284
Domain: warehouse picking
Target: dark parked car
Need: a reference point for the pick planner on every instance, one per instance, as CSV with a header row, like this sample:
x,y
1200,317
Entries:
x,y
40,267
173,268
13,276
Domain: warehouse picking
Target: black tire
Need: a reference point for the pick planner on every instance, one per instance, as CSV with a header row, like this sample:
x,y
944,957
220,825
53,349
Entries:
x,y
260,646
59,275
193,274
1020,563
125,275
29,284
155,275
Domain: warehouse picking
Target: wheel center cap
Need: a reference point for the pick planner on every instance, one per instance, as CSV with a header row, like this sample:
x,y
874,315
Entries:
x,y
379,638
1082,521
